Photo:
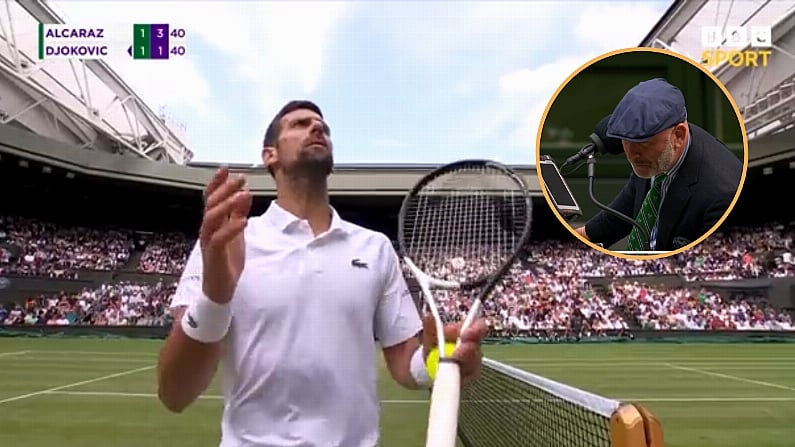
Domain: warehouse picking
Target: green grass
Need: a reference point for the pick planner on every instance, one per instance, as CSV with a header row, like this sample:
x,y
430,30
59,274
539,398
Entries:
x,y
83,392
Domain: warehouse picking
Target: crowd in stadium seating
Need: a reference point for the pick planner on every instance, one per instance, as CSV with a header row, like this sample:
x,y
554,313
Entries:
x,y
550,291
121,304
658,307
165,254
59,252
731,254
539,303
49,250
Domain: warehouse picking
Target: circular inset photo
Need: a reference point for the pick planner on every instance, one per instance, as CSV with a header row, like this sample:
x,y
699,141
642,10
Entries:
x,y
641,153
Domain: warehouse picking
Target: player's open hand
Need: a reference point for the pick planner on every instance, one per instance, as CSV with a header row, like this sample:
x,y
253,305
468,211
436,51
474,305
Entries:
x,y
226,209
468,353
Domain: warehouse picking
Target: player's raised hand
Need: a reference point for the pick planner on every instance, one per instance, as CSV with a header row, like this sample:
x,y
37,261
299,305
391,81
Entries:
x,y
226,209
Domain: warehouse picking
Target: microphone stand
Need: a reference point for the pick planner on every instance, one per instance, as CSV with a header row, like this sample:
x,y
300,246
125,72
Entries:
x,y
591,174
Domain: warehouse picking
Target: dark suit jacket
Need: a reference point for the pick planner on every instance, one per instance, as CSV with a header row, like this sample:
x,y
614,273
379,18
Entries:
x,y
697,198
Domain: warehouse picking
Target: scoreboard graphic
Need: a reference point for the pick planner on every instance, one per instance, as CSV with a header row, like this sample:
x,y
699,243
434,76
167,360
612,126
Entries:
x,y
157,42
162,41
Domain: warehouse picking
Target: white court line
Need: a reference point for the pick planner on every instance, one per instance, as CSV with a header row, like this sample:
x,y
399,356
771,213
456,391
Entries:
x,y
642,366
7,354
708,399
205,396
112,394
39,360
540,359
72,385
110,353
730,377
409,401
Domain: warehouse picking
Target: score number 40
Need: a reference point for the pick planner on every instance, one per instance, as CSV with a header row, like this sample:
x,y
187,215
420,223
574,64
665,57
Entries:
x,y
177,33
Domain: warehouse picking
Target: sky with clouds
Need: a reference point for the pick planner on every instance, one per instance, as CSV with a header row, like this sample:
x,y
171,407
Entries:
x,y
399,82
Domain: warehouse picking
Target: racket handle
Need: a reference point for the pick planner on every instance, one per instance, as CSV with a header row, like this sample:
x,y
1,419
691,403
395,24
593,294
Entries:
x,y
445,397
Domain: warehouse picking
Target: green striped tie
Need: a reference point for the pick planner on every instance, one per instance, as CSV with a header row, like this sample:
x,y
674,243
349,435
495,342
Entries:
x,y
647,216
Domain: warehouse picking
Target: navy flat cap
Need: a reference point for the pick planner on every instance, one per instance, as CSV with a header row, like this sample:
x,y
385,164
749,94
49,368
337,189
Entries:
x,y
646,110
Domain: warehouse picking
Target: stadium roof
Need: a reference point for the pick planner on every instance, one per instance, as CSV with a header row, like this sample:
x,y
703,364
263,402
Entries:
x,y
351,179
765,95
80,103
424,167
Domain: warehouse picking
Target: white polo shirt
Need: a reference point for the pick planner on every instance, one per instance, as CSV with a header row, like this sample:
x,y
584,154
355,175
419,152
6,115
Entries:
x,y
299,366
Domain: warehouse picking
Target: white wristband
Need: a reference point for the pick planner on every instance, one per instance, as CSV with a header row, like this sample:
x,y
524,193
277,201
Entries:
x,y
206,321
419,370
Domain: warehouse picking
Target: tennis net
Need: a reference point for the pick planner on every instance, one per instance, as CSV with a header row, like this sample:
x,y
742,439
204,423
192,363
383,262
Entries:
x,y
509,407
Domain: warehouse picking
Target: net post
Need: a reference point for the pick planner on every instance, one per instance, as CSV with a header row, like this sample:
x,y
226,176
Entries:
x,y
634,426
654,431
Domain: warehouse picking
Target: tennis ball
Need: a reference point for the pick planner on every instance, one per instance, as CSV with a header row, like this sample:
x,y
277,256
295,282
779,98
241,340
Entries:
x,y
433,358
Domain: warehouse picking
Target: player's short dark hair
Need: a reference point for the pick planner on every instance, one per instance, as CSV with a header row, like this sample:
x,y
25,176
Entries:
x,y
275,126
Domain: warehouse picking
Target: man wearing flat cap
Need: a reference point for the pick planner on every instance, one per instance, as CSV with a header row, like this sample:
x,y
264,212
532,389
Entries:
x,y
683,178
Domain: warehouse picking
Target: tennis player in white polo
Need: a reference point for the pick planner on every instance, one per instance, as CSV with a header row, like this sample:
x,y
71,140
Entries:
x,y
290,303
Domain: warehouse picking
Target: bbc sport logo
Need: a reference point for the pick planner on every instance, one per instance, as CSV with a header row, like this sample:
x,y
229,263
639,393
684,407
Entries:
x,y
739,46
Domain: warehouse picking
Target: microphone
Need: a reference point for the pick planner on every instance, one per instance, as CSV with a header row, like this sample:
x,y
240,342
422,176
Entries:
x,y
600,144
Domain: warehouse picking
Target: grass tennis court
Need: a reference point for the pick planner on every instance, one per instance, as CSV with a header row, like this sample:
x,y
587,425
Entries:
x,y
87,392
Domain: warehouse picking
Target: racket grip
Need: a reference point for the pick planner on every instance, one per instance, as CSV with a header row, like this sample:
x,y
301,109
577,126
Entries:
x,y
445,397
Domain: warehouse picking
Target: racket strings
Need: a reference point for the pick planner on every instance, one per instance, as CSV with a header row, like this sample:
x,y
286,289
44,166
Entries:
x,y
463,225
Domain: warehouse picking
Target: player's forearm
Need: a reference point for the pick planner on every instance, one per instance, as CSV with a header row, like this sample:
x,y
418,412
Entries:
x,y
399,362
185,369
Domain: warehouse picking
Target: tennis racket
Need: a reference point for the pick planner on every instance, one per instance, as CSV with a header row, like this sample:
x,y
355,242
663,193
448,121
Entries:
x,y
460,229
